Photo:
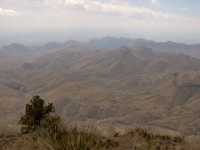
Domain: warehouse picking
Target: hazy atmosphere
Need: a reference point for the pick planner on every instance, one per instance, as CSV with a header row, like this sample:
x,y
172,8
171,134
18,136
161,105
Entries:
x,y
100,74
39,21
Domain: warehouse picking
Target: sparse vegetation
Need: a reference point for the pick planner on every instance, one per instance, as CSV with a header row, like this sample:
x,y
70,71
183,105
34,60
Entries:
x,y
53,133
141,139
72,137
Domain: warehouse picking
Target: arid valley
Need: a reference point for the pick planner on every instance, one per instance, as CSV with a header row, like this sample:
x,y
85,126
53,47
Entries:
x,y
115,88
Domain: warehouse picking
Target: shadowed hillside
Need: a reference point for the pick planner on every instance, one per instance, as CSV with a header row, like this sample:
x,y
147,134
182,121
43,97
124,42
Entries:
x,y
104,63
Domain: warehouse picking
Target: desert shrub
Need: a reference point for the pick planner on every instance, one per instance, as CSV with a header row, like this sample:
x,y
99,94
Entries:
x,y
35,112
178,139
116,134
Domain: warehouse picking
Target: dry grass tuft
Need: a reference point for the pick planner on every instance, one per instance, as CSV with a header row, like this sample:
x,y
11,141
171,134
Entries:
x,y
141,139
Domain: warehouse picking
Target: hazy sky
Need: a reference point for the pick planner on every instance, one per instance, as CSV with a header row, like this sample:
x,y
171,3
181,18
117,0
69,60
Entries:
x,y
37,21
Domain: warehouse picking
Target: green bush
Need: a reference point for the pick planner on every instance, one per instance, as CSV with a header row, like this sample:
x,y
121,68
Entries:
x,y
35,112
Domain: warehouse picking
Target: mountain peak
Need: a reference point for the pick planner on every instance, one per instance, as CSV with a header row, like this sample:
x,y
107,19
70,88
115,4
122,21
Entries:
x,y
70,43
15,48
52,45
124,50
145,52
15,45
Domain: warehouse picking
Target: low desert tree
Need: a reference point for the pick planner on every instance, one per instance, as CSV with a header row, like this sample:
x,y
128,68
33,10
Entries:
x,y
35,113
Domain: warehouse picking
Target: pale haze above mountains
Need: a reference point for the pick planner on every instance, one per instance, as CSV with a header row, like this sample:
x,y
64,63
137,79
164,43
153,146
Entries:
x,y
40,21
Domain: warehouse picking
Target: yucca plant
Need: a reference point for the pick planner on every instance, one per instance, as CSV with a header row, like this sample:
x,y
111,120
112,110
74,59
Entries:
x,y
70,137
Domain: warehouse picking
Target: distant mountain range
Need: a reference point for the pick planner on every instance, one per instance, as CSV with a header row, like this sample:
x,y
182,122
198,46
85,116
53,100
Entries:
x,y
14,49
110,42
54,45
19,49
114,43
173,47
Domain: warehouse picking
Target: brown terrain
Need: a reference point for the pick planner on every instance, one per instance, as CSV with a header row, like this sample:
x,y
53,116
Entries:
x,y
116,89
